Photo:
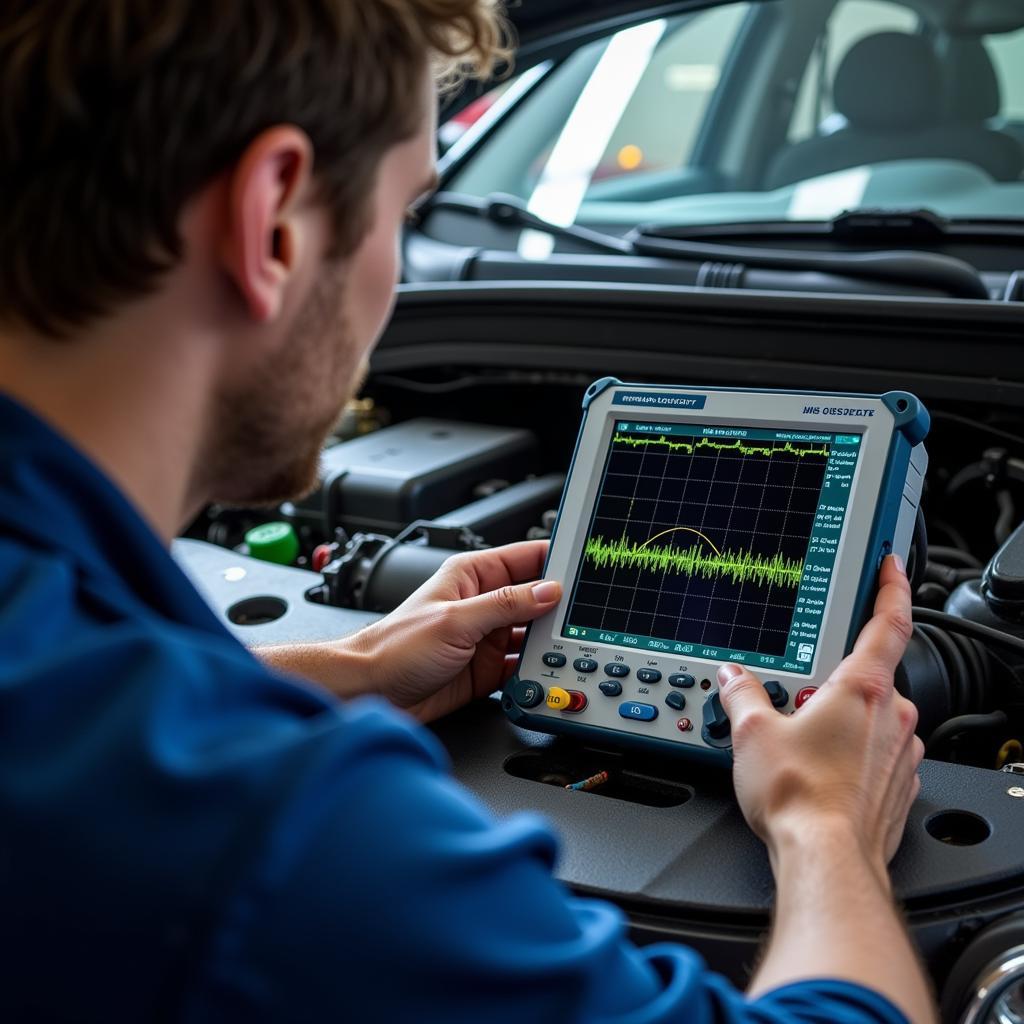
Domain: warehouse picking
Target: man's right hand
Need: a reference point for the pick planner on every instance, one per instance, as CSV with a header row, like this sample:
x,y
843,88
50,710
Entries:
x,y
829,788
847,760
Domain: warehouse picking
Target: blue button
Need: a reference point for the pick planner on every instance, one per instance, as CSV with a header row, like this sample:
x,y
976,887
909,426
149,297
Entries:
x,y
553,660
648,675
638,712
616,669
610,688
585,665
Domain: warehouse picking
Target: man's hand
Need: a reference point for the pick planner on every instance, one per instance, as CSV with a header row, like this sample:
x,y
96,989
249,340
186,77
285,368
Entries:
x,y
848,758
456,638
829,789
459,635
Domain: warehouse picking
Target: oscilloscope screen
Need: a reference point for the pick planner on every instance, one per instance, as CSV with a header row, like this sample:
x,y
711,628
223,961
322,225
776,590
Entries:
x,y
699,539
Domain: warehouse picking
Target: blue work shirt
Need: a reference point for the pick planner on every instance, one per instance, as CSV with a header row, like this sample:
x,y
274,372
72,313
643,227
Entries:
x,y
187,836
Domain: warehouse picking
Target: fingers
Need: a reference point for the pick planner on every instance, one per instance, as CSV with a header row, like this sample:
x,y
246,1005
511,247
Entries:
x,y
743,697
511,563
507,606
907,787
884,639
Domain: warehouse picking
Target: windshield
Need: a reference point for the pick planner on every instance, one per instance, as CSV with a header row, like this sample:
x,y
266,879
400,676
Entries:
x,y
785,110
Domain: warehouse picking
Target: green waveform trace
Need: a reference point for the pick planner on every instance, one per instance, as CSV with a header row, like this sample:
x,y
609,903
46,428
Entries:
x,y
736,566
738,445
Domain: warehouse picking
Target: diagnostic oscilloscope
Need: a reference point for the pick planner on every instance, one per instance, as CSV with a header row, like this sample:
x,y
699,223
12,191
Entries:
x,y
700,526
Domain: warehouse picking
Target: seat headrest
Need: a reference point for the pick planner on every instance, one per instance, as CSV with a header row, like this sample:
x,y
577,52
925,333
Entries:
x,y
972,81
889,81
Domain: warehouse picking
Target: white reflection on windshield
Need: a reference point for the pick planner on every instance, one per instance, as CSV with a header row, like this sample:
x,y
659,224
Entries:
x,y
577,153
826,197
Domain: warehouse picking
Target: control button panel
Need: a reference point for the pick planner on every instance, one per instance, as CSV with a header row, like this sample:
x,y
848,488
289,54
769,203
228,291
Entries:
x,y
629,694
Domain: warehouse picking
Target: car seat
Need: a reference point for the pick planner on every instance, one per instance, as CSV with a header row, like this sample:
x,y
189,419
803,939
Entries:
x,y
889,88
974,97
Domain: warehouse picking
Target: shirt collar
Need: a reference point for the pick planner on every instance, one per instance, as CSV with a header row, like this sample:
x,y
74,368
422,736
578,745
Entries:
x,y
55,499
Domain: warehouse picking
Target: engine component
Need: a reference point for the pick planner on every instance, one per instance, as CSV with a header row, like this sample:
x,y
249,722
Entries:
x,y
375,573
509,514
273,542
997,599
986,984
415,471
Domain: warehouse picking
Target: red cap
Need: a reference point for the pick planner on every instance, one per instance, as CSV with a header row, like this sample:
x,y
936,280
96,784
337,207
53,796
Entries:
x,y
321,556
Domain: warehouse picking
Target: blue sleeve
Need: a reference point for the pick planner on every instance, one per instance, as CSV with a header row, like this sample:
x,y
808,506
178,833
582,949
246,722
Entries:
x,y
386,893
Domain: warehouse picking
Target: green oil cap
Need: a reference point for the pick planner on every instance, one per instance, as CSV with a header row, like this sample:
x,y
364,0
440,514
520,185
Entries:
x,y
273,542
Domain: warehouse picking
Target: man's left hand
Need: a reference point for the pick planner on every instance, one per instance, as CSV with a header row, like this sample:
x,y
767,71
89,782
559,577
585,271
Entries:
x,y
455,639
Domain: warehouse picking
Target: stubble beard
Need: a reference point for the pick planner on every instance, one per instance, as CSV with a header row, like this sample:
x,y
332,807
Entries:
x,y
269,432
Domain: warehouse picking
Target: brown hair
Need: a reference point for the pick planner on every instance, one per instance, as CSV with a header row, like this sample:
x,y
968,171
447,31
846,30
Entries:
x,y
114,112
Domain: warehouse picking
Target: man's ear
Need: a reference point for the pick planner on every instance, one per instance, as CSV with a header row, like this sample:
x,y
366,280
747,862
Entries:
x,y
263,236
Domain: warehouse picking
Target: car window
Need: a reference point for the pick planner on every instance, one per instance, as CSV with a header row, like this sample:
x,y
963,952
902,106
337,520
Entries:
x,y
731,113
1007,55
629,104
659,125
850,22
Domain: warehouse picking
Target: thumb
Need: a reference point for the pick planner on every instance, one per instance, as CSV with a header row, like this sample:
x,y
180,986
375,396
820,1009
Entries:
x,y
742,694
508,606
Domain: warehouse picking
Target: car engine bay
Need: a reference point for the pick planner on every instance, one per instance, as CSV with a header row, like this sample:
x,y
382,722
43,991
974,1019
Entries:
x,y
462,438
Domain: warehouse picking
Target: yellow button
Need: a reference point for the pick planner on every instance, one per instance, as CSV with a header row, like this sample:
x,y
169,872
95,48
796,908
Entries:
x,y
558,698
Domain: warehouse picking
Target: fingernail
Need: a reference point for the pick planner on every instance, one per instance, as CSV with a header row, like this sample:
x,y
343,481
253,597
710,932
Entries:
x,y
545,592
898,562
727,673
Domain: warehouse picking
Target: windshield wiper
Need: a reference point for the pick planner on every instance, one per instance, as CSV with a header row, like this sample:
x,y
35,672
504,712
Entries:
x,y
864,226
947,274
511,212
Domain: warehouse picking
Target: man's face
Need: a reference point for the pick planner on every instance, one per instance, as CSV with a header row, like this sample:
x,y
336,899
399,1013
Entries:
x,y
270,429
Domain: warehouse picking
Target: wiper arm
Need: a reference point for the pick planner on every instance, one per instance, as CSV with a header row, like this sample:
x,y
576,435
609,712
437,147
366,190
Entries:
x,y
943,273
511,212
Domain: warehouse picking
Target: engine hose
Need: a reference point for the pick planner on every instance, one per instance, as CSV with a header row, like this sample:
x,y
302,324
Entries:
x,y
964,723
956,669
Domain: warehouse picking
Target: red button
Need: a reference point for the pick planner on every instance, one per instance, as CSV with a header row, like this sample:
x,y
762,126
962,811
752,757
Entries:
x,y
805,695
577,701
321,556
684,725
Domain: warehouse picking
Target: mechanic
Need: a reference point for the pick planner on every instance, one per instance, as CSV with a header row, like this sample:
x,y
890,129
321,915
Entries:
x,y
199,226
